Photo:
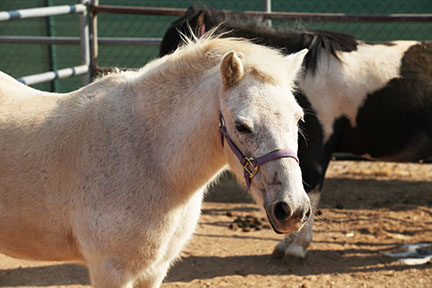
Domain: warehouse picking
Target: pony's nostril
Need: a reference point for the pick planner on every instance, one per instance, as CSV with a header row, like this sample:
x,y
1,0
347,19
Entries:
x,y
307,215
282,211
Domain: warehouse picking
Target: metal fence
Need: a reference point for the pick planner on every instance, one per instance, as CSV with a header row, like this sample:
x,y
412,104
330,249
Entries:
x,y
19,60
84,40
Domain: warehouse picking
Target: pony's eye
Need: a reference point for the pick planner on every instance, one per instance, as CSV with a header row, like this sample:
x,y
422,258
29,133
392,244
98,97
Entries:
x,y
243,128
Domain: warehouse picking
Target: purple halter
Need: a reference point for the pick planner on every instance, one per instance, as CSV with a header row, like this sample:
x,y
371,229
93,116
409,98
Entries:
x,y
251,164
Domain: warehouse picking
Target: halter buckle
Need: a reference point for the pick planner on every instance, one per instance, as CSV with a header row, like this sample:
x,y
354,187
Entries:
x,y
221,121
250,168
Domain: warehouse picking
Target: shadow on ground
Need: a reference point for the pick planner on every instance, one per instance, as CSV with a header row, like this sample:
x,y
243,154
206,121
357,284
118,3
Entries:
x,y
317,262
54,275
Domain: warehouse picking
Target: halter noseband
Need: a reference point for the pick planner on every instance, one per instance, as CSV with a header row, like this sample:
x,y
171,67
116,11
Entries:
x,y
251,164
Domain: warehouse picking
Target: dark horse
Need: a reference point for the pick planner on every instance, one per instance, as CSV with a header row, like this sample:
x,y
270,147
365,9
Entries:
x,y
369,99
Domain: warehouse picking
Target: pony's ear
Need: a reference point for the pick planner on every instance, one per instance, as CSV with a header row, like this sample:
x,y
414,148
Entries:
x,y
231,69
295,60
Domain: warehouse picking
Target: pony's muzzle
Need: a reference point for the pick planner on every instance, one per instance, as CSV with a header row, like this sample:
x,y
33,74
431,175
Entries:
x,y
284,219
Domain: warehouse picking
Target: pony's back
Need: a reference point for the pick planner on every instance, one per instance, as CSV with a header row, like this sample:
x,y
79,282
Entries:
x,y
10,86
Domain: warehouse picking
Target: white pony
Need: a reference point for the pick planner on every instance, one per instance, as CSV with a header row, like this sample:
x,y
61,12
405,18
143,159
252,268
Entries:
x,y
112,175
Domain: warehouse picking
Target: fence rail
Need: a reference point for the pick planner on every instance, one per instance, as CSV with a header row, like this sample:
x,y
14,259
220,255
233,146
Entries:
x,y
42,12
291,16
61,40
53,75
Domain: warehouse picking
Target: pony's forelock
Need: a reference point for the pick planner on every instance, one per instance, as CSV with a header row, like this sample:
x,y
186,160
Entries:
x,y
208,35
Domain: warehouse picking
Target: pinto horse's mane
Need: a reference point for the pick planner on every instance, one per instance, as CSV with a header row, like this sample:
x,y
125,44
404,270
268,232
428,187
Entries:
x,y
331,42
314,40
288,39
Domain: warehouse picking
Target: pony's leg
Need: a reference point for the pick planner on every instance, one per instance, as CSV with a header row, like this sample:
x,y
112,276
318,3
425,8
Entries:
x,y
296,245
153,278
107,275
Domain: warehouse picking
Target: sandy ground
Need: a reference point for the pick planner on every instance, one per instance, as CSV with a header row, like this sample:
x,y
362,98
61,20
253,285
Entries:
x,y
367,210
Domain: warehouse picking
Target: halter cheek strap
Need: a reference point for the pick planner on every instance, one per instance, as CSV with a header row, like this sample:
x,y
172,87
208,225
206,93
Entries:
x,y
251,164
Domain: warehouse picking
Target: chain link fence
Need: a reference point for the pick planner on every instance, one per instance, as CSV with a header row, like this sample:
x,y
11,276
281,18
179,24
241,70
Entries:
x,y
19,60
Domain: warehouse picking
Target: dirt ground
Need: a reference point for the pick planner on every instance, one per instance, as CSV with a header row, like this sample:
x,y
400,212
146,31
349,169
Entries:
x,y
367,209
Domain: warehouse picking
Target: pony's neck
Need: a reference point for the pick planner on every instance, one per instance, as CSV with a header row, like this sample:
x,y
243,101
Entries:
x,y
189,149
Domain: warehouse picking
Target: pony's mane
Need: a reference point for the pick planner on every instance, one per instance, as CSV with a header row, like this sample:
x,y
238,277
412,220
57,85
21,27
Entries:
x,y
197,55
295,39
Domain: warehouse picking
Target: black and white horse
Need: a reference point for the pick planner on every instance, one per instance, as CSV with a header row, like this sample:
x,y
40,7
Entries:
x,y
369,99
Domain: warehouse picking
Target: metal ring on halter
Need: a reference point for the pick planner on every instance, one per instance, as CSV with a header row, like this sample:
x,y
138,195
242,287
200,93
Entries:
x,y
249,166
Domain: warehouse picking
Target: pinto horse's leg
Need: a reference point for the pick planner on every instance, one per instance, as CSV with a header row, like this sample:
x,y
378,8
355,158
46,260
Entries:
x,y
296,244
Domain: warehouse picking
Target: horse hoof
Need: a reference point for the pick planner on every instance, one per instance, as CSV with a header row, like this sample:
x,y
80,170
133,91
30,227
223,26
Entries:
x,y
278,252
288,253
295,251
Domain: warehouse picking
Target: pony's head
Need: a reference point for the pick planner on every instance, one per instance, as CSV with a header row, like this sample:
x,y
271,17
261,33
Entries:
x,y
259,122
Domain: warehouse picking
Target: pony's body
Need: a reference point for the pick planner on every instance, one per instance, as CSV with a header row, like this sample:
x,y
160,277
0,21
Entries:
x,y
112,175
370,99
95,138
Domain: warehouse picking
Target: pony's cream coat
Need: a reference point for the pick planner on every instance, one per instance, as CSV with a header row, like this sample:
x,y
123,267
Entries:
x,y
370,68
112,175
